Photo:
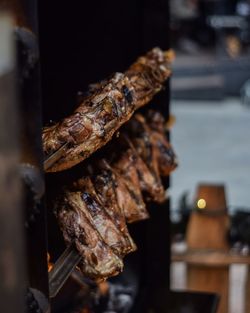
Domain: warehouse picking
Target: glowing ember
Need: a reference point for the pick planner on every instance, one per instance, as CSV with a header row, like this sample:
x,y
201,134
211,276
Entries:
x,y
50,265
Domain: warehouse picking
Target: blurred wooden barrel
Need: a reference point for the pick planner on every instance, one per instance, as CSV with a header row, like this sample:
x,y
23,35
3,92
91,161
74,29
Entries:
x,y
207,230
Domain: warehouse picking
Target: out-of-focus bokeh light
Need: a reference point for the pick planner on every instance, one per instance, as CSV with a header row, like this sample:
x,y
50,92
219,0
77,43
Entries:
x,y
201,204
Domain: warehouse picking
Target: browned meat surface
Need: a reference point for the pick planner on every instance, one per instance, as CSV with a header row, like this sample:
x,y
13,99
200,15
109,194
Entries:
x,y
102,221
91,125
165,154
104,186
147,167
99,261
132,206
166,157
146,177
147,75
156,121
109,105
125,169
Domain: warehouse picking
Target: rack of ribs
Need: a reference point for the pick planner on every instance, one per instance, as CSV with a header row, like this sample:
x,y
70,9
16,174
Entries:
x,y
127,190
99,261
105,109
102,220
147,165
114,193
166,156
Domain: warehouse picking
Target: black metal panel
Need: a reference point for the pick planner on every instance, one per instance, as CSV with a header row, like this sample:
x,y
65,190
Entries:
x,y
86,41
82,43
31,149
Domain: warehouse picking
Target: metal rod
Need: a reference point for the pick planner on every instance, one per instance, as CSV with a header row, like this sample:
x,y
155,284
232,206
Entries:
x,y
62,269
12,259
53,158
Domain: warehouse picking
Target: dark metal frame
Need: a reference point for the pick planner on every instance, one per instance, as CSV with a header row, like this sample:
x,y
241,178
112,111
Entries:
x,y
24,139
12,267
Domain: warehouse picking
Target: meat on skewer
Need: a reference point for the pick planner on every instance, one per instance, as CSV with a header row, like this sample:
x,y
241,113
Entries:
x,y
148,74
167,159
147,162
92,125
99,260
105,188
109,105
126,168
102,221
130,202
127,200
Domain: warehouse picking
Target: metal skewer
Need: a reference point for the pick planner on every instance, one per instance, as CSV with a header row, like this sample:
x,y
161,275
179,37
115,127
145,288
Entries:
x,y
53,158
62,269
67,262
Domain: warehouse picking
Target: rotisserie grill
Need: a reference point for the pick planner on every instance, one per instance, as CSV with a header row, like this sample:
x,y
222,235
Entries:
x,y
94,165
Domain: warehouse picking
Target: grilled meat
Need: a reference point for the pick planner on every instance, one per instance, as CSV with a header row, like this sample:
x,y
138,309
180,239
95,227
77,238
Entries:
x,y
126,167
165,154
156,121
166,157
102,221
108,105
99,260
147,162
148,74
126,198
104,186
92,125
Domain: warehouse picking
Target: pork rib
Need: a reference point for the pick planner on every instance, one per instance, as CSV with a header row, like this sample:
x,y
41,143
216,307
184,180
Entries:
x,y
148,74
99,260
92,125
166,156
147,162
109,105
105,188
126,171
102,221
132,206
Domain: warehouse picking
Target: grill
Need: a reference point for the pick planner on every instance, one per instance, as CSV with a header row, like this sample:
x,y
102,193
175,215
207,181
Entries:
x,y
79,43
75,39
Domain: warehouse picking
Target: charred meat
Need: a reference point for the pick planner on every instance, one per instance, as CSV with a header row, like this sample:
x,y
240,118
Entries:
x,y
126,169
99,260
148,74
132,206
147,165
167,159
105,189
102,221
108,105
91,126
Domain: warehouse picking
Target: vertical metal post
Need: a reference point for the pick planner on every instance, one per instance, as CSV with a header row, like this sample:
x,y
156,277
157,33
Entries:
x,y
11,223
156,33
31,152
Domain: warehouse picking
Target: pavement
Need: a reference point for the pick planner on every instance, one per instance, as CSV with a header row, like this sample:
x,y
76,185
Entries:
x,y
212,141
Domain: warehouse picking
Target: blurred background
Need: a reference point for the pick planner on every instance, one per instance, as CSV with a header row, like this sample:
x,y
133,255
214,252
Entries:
x,y
211,134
